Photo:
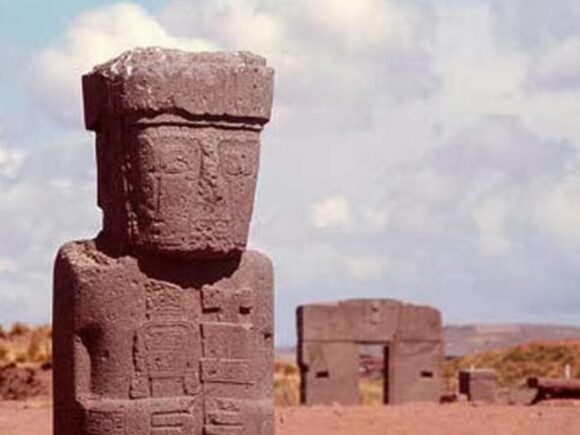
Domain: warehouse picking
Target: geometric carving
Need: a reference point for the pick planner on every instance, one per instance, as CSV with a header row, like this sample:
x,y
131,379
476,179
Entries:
x,y
165,360
164,300
223,430
224,416
228,371
230,305
171,423
106,423
226,340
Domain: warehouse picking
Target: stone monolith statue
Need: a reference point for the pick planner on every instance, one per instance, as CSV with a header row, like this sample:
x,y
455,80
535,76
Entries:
x,y
163,325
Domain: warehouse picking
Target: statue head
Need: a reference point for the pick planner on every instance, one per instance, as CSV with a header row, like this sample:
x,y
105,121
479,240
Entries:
x,y
178,138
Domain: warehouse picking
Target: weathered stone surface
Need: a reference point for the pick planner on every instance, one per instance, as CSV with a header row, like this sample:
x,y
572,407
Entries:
x,y
138,335
554,388
411,335
330,373
194,85
352,320
415,373
163,325
178,138
419,322
480,385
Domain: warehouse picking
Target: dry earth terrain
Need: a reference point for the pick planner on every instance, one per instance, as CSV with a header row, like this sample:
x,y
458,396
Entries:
x,y
34,418
25,374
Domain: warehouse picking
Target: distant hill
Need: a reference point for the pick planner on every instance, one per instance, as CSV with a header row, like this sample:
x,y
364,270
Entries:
x,y
468,339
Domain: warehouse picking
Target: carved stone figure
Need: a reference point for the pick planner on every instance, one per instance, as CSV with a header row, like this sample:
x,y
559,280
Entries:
x,y
163,325
330,336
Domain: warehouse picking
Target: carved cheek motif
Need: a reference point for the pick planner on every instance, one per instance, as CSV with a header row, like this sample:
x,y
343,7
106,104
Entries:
x,y
166,168
238,159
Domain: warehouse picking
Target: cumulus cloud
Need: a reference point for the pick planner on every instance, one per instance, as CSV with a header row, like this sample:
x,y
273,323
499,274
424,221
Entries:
x,y
10,161
330,56
367,268
375,219
367,24
418,149
92,38
7,265
558,68
491,217
332,212
558,208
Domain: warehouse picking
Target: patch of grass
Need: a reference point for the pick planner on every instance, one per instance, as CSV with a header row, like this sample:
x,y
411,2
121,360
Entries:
x,y
514,365
371,391
25,344
286,384
18,329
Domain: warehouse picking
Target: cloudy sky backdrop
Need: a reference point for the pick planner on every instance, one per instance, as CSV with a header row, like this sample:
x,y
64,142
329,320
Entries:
x,y
419,149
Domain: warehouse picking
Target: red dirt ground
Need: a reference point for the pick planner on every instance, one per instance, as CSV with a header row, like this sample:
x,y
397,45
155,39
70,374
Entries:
x,y
34,418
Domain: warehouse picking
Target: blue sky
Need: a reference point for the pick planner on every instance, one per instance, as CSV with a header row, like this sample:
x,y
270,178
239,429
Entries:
x,y
419,149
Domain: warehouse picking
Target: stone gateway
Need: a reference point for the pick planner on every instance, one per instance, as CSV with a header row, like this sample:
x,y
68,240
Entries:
x,y
331,335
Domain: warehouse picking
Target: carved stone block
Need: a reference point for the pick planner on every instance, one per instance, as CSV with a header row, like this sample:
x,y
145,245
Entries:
x,y
479,385
178,139
163,325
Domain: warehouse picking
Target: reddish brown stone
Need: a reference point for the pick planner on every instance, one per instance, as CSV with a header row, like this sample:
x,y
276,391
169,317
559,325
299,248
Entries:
x,y
554,388
415,373
164,324
177,148
329,336
353,320
323,367
479,385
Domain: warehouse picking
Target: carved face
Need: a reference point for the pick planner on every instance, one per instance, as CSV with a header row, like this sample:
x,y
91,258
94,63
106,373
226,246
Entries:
x,y
192,189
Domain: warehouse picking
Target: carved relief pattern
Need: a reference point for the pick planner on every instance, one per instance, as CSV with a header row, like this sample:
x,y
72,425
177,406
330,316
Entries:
x,y
172,423
166,348
187,187
106,423
227,347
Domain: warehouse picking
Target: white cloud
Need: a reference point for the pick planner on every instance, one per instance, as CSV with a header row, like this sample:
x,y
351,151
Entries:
x,y
558,209
237,25
376,219
331,212
367,24
322,65
478,75
365,268
491,216
448,128
558,67
7,265
91,39
10,162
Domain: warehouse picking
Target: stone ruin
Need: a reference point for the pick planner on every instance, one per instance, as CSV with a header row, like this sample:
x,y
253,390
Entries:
x,y
330,337
478,385
163,325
